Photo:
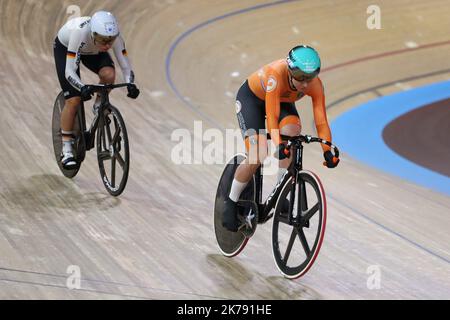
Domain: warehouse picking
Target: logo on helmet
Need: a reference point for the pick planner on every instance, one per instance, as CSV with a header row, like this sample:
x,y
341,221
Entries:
x,y
109,27
309,66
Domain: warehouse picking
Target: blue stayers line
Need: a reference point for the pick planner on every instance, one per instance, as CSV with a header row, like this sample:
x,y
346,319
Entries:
x,y
359,133
195,28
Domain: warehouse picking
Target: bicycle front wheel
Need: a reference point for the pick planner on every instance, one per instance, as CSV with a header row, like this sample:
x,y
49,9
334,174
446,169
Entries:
x,y
113,151
298,236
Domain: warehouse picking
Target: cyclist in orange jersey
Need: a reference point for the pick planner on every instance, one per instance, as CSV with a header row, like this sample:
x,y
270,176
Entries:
x,y
271,93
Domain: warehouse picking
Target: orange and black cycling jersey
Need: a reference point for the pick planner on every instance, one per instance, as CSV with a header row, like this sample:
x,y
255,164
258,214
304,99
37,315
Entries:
x,y
271,83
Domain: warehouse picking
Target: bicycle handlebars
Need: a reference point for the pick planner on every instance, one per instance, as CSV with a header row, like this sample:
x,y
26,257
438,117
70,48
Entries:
x,y
309,139
105,87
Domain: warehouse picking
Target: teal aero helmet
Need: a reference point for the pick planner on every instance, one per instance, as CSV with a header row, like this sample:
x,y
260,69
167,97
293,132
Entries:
x,y
303,63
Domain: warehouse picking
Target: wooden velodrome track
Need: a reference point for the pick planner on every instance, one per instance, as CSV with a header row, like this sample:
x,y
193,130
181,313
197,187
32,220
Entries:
x,y
156,241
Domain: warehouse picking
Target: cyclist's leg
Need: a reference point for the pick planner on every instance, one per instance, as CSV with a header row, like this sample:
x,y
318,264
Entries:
x,y
251,114
107,75
72,101
251,117
290,125
67,122
103,65
68,115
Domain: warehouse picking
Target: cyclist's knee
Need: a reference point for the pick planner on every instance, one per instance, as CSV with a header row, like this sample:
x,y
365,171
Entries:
x,y
73,102
291,130
290,126
256,146
107,75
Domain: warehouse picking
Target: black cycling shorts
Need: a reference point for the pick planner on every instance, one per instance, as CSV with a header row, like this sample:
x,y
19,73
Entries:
x,y
92,62
251,111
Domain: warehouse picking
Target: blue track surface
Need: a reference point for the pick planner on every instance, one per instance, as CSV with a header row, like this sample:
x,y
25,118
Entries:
x,y
358,132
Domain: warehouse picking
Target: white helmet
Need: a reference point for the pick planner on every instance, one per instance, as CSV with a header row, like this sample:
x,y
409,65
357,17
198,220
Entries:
x,y
104,27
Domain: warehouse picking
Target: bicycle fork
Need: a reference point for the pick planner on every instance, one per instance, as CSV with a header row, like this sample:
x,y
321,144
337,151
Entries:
x,y
97,123
299,188
302,205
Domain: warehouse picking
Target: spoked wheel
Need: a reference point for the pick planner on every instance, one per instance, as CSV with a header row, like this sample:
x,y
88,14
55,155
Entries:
x,y
57,137
297,238
232,243
112,151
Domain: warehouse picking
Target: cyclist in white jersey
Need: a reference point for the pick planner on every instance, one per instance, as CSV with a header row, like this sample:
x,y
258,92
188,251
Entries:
x,y
87,39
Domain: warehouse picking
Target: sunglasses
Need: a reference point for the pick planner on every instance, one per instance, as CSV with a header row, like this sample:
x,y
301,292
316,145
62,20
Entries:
x,y
103,40
300,76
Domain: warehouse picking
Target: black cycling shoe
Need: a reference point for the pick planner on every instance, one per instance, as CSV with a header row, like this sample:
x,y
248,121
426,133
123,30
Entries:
x,y
229,218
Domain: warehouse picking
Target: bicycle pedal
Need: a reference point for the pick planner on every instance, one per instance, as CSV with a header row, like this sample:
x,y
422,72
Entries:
x,y
248,219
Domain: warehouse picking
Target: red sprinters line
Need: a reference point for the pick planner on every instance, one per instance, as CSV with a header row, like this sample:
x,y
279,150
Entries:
x,y
386,54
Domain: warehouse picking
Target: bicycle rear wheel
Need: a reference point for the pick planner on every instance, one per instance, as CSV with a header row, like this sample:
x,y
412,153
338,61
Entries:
x,y
57,137
231,243
113,153
296,240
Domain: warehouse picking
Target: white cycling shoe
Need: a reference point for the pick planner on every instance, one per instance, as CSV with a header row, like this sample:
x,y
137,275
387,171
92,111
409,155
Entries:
x,y
68,161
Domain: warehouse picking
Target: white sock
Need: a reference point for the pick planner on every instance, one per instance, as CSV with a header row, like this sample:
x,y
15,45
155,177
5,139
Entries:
x,y
67,134
281,172
236,189
67,146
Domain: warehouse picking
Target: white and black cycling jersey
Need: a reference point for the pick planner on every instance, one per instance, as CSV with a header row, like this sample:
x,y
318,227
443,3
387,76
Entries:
x,y
76,36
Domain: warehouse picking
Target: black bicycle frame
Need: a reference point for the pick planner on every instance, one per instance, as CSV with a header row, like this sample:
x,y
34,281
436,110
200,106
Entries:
x,y
88,136
294,168
296,147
